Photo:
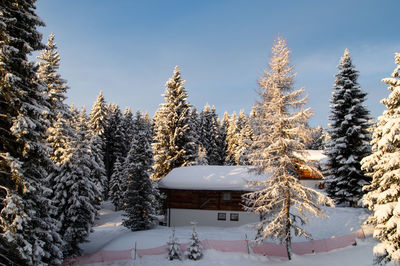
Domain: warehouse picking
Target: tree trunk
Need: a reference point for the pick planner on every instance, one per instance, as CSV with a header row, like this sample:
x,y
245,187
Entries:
x,y
288,240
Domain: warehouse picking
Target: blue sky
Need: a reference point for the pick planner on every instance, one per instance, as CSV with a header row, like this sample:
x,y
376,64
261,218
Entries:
x,y
128,49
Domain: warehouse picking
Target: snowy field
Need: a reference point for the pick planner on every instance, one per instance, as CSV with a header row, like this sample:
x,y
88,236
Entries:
x,y
109,234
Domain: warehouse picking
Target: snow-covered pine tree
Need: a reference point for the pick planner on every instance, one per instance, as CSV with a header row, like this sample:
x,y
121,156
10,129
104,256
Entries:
x,y
222,142
383,165
58,136
118,186
75,194
231,140
174,144
317,139
28,235
140,199
56,87
174,250
245,139
209,134
281,200
115,137
194,250
195,125
128,128
98,122
349,135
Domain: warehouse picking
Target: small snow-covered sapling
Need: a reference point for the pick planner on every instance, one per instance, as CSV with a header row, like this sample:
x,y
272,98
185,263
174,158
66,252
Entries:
x,y
174,251
194,250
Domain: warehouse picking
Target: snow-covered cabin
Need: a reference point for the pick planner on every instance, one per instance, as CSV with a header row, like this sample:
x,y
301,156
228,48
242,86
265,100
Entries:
x,y
209,194
212,195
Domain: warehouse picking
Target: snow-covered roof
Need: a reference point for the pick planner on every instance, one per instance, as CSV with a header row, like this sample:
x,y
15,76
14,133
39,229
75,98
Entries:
x,y
209,177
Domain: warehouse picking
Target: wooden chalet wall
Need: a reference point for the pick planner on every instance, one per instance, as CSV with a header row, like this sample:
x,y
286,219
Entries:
x,y
203,199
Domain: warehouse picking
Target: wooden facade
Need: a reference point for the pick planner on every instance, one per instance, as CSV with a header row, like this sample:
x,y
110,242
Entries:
x,y
203,199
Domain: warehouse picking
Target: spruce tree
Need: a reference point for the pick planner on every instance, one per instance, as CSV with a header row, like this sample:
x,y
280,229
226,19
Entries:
x,y
128,129
281,200
28,234
349,134
174,144
115,136
383,166
118,186
245,139
209,134
56,87
231,140
222,140
317,139
75,193
98,122
195,125
140,199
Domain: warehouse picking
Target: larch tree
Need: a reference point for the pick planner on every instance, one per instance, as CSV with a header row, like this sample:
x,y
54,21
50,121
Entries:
x,y
281,200
383,166
349,134
28,234
140,200
174,144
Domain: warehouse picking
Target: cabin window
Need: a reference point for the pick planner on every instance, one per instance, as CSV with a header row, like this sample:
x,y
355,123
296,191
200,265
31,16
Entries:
x,y
221,216
234,217
226,196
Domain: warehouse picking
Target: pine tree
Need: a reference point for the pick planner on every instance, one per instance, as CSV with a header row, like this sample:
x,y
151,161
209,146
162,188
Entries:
x,y
75,193
98,123
28,234
222,140
232,140
209,134
174,251
281,200
128,129
115,137
118,186
140,199
245,139
349,136
194,250
317,139
56,87
383,194
195,125
58,137
174,144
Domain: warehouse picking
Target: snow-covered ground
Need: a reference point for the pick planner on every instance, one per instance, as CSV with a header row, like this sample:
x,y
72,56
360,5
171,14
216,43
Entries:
x,y
109,234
